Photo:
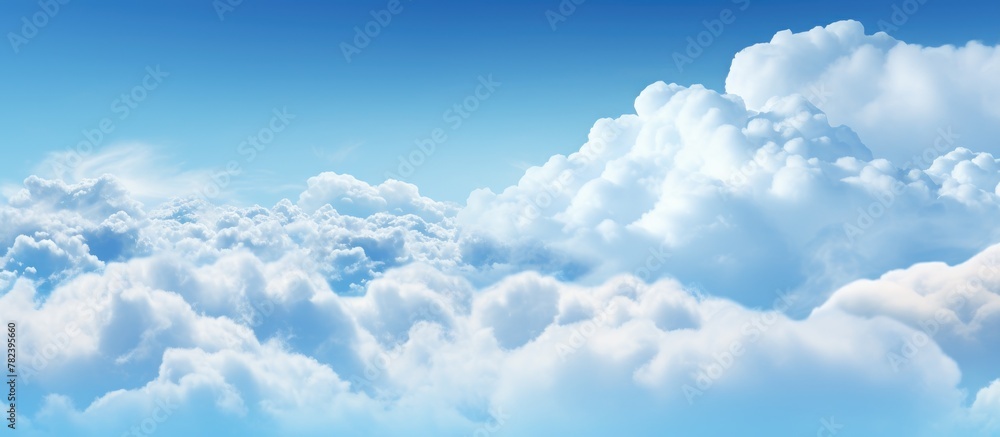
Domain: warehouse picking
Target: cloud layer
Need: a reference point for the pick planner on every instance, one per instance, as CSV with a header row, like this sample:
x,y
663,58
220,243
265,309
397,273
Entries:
x,y
738,255
739,202
898,96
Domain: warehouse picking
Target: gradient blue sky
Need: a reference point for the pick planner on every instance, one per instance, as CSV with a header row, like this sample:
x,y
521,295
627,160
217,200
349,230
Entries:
x,y
226,77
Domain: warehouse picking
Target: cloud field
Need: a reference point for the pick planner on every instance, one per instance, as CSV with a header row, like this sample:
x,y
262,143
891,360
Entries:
x,y
811,252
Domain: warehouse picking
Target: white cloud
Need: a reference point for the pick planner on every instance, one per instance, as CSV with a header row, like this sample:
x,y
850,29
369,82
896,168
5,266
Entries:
x,y
662,357
957,307
148,174
220,336
903,99
350,196
986,407
696,186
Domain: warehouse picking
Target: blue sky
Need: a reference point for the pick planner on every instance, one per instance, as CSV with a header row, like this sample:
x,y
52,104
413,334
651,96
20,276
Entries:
x,y
227,75
792,233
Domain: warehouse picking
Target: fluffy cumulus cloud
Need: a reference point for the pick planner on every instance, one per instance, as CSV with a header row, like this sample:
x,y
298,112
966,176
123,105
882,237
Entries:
x,y
740,202
956,307
903,99
529,355
742,256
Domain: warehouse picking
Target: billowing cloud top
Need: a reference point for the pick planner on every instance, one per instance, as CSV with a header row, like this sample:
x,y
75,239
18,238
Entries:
x,y
698,187
712,255
899,97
